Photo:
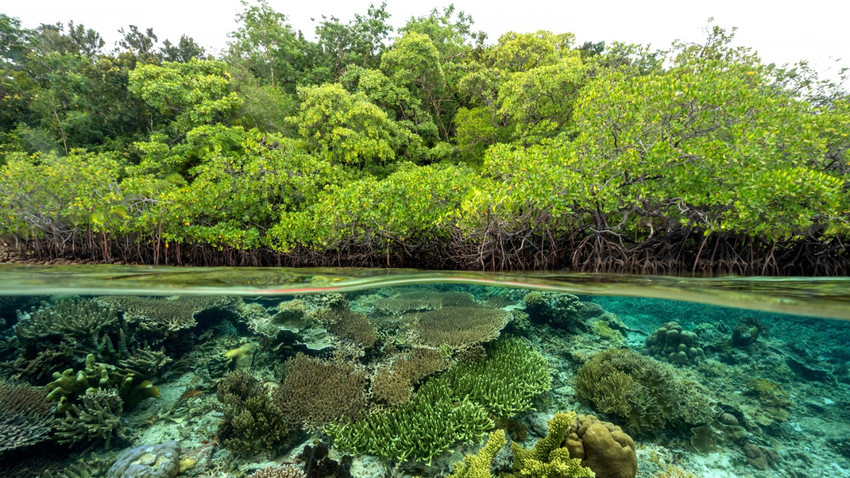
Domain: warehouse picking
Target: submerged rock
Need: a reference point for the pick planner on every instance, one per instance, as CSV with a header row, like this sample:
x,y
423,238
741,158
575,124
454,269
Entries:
x,y
148,461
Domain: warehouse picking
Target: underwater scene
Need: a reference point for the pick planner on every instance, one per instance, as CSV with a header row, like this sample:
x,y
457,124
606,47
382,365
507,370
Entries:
x,y
276,373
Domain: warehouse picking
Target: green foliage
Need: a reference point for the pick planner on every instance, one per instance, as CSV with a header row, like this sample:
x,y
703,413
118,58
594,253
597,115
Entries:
x,y
186,94
344,128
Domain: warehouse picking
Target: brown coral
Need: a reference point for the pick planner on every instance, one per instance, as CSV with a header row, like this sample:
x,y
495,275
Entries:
x,y
602,447
394,384
674,344
26,416
252,420
315,392
458,327
166,313
406,302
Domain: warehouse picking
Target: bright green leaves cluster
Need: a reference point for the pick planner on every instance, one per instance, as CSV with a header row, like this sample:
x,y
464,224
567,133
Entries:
x,y
188,94
344,128
78,191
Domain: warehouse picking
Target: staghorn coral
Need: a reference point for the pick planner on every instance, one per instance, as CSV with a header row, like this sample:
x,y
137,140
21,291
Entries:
x,y
26,416
428,425
506,381
602,447
315,392
96,416
458,327
281,471
143,364
55,337
252,420
646,393
478,465
548,459
675,345
169,314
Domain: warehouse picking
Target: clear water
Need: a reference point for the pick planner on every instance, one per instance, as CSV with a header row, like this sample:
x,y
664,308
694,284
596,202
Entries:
x,y
752,380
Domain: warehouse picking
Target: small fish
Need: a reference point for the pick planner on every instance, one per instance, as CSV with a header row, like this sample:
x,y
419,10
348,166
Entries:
x,y
190,394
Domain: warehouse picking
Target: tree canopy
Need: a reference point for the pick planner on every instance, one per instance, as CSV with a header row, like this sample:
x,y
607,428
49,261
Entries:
x,y
427,146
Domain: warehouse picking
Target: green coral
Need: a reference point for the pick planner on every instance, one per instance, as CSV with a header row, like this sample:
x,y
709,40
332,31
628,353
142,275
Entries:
x,y
451,408
96,416
429,424
648,394
68,386
478,465
548,459
506,381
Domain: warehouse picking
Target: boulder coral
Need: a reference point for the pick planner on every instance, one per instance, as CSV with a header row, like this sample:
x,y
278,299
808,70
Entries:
x,y
603,447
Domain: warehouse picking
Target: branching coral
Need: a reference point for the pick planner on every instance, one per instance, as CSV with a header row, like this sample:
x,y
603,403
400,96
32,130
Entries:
x,y
458,327
553,308
315,392
97,416
478,465
394,384
166,313
56,337
647,393
506,381
548,459
431,423
349,325
252,420
26,416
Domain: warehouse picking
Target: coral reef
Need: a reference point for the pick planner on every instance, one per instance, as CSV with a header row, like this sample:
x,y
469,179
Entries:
x,y
559,310
147,461
317,463
406,302
163,314
747,332
394,384
602,447
284,471
428,425
675,345
95,416
292,322
646,393
26,416
458,327
506,381
252,421
68,385
478,465
348,325
315,392
55,337
548,459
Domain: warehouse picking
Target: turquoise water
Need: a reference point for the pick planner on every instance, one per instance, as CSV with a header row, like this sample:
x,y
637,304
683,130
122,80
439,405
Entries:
x,y
121,371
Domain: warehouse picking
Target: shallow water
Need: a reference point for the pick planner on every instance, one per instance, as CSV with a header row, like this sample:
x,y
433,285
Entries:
x,y
753,379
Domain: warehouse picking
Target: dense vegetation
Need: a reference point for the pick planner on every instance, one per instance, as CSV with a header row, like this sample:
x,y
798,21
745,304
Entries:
x,y
425,147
